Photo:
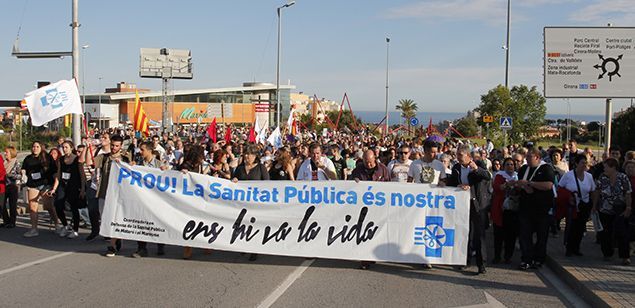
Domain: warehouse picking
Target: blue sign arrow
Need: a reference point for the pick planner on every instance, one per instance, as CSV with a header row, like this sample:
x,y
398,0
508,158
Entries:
x,y
414,121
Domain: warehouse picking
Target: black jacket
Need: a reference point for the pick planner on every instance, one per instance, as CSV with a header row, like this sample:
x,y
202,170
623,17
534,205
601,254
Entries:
x,y
477,179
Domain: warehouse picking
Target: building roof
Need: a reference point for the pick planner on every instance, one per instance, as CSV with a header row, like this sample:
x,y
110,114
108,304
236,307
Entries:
x,y
130,96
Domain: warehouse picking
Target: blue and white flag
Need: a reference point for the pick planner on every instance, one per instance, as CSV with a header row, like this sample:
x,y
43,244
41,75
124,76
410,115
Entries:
x,y
53,101
275,139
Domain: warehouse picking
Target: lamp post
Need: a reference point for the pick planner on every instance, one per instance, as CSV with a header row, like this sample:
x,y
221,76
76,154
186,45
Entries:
x,y
279,10
507,45
387,49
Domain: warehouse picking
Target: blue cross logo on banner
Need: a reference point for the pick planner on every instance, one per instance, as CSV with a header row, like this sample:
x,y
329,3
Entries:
x,y
506,123
434,237
54,98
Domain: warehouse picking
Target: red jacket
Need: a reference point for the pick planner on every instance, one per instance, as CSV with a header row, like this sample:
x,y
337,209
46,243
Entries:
x,y
3,176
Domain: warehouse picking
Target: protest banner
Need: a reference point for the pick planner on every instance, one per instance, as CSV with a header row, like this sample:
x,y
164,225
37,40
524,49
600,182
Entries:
x,y
410,223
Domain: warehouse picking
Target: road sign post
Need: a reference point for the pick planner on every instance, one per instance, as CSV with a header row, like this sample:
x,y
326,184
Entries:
x,y
505,124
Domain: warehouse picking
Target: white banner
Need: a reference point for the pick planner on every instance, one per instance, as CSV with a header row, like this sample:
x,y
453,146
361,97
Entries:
x,y
53,101
410,223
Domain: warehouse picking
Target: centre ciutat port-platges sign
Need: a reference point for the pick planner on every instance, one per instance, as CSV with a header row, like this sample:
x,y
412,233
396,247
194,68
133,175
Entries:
x,y
589,62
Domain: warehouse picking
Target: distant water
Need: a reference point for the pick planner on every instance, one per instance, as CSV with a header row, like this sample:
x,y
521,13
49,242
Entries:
x,y
394,117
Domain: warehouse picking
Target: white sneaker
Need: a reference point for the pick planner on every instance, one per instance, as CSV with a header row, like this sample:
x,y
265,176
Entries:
x,y
59,229
31,233
65,231
72,235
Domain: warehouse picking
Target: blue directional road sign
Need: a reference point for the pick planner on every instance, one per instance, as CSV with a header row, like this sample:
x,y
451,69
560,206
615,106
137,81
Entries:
x,y
506,123
414,121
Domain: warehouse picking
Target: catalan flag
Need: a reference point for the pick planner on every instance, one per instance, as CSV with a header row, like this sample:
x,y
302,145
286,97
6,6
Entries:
x,y
141,121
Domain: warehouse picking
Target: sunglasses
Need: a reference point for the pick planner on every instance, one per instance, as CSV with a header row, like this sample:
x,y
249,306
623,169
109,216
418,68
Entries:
x,y
403,152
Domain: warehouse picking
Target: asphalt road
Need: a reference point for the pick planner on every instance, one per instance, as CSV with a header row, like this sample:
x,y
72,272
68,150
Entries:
x,y
52,271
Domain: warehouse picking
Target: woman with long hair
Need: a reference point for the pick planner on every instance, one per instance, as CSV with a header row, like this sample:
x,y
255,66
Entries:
x,y
40,169
12,167
282,167
72,181
192,162
219,166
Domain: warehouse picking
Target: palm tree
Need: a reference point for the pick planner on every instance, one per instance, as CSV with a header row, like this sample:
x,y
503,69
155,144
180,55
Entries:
x,y
408,110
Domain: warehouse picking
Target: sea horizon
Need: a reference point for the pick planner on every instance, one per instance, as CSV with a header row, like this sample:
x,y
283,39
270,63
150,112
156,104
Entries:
x,y
424,117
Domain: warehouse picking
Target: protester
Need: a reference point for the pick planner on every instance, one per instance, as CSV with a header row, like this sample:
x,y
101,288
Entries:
x,y
427,169
536,199
39,170
282,168
251,170
467,175
192,162
613,203
370,170
504,212
558,164
72,190
400,167
14,177
150,161
580,183
102,172
219,166
317,167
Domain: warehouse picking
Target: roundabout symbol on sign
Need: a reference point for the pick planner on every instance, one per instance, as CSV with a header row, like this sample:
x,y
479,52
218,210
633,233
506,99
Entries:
x,y
616,64
414,121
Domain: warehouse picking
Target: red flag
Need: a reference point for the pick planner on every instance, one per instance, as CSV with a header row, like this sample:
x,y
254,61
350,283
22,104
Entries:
x,y
252,135
430,127
211,130
228,134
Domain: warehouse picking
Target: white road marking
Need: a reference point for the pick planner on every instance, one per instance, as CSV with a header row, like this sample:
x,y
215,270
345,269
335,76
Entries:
x,y
491,302
273,297
36,262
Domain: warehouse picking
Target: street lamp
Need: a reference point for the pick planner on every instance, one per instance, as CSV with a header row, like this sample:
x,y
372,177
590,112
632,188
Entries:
x,y
279,10
506,47
387,48
84,78
99,110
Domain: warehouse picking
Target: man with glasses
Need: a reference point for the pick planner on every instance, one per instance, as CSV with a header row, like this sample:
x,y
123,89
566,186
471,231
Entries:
x,y
399,167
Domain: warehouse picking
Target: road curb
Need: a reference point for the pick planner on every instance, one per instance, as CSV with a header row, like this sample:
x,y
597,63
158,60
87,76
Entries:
x,y
570,277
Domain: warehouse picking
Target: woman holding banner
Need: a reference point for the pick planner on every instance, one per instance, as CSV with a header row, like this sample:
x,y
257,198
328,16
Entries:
x,y
282,168
251,170
192,162
39,170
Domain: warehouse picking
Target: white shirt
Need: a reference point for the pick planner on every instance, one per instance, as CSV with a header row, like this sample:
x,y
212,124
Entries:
x,y
399,170
586,186
306,173
429,173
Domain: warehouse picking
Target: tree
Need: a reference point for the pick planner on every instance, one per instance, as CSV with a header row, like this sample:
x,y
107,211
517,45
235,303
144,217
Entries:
x,y
593,126
346,120
408,109
526,107
623,130
467,126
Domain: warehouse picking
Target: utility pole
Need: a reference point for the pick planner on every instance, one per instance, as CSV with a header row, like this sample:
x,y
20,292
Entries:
x,y
75,26
507,45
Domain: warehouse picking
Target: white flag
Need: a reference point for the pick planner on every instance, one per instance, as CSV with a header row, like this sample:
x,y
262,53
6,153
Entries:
x,y
53,101
261,133
275,139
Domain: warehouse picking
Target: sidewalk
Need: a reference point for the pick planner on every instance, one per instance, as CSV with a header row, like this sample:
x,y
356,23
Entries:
x,y
601,283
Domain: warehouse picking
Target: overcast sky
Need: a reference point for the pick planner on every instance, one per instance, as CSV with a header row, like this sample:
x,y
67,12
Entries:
x,y
443,53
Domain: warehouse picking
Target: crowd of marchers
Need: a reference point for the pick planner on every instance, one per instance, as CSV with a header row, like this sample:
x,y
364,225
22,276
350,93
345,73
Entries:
x,y
523,193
